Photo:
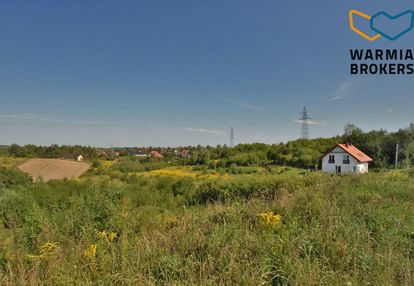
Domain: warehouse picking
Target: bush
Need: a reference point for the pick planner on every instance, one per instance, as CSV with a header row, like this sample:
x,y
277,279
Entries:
x,y
12,177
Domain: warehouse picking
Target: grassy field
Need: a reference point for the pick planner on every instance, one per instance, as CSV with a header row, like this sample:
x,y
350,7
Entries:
x,y
190,226
11,162
53,169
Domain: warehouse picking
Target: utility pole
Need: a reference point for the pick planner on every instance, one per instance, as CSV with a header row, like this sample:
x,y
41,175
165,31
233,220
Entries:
x,y
396,156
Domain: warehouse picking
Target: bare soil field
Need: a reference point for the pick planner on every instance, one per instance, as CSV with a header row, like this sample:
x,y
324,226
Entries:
x,y
53,169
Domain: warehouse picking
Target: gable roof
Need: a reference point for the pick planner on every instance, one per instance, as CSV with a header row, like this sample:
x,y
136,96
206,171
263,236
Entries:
x,y
156,154
354,152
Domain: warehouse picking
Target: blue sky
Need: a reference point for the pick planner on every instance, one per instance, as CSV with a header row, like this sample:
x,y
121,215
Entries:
x,y
168,73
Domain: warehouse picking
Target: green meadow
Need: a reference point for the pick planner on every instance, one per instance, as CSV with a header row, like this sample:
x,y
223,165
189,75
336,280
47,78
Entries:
x,y
177,225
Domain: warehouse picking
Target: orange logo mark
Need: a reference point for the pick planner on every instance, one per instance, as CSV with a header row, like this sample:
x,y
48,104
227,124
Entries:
x,y
353,28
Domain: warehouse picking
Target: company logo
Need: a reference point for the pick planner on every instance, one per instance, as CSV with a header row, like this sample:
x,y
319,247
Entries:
x,y
381,22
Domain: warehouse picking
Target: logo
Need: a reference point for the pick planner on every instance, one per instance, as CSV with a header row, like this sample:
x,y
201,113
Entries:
x,y
381,22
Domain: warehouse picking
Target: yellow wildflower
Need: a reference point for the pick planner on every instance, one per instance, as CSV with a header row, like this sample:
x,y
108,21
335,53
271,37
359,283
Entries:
x,y
112,235
90,251
46,250
102,234
270,219
49,248
171,220
108,235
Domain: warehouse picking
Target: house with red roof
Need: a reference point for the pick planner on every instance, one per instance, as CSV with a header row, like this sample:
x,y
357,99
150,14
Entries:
x,y
345,158
156,154
185,153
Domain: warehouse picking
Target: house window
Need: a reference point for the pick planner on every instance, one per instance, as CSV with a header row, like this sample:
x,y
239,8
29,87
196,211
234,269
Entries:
x,y
346,159
331,159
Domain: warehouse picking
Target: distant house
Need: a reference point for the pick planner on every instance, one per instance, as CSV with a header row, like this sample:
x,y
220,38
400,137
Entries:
x,y
156,154
79,158
141,154
345,158
101,153
185,153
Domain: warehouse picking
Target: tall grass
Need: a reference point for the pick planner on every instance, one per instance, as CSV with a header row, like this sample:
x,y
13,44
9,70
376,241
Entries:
x,y
349,230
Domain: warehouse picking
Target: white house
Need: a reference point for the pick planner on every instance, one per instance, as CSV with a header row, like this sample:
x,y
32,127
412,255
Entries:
x,y
345,158
141,154
80,158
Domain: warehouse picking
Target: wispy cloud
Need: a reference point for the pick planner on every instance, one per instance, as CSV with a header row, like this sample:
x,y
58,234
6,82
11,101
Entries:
x,y
203,130
310,122
17,115
343,91
242,104
390,111
50,119
30,117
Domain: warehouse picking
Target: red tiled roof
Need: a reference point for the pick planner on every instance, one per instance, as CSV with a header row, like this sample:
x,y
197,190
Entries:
x,y
156,154
356,153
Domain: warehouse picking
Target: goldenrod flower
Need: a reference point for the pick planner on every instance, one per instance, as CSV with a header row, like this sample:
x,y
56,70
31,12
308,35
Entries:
x,y
90,251
171,220
270,219
49,248
46,250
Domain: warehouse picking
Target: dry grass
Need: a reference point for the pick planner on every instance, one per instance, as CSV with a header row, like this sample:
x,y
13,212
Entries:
x,y
53,169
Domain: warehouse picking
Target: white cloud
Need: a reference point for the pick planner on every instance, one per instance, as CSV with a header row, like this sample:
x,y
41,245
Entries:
x,y
17,115
343,91
310,122
203,130
242,104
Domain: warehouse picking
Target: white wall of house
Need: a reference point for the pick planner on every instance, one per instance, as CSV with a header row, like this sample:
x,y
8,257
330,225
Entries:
x,y
363,168
338,153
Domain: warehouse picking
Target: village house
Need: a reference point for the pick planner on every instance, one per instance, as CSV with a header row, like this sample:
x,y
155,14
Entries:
x,y
140,154
156,154
345,158
79,158
185,153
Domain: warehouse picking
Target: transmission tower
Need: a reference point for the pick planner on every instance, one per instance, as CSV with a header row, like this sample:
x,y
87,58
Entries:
x,y
231,137
304,118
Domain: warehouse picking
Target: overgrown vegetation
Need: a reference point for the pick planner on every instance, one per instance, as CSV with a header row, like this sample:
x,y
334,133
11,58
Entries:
x,y
274,228
211,216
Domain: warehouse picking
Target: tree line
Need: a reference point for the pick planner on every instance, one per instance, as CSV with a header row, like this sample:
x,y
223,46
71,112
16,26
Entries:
x,y
53,151
380,145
